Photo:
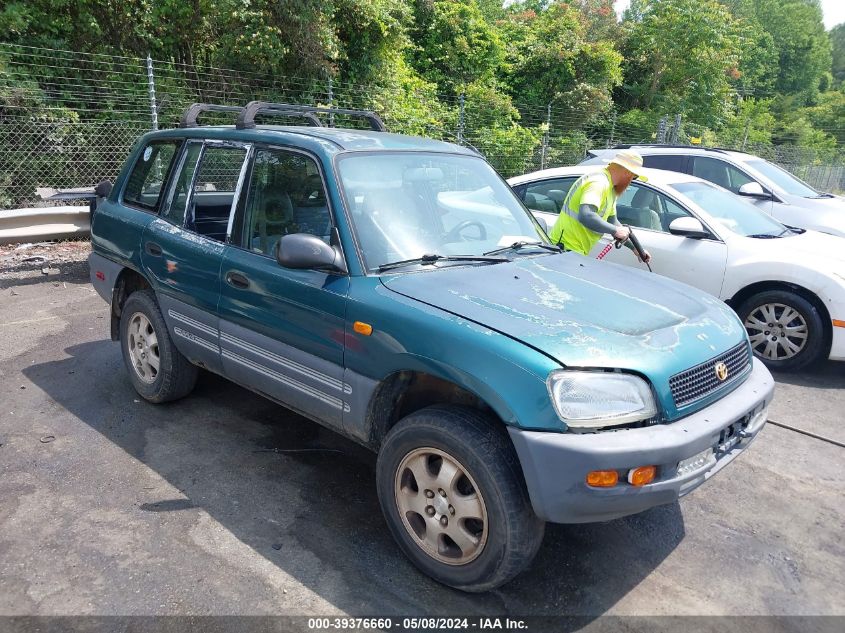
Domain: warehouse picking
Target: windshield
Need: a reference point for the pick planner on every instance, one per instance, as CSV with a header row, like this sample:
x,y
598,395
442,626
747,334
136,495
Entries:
x,y
730,211
405,205
783,179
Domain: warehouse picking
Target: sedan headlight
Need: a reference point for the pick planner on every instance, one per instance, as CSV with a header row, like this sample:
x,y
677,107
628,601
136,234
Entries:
x,y
594,399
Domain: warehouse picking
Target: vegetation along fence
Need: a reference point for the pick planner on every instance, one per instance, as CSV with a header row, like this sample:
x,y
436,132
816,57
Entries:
x,y
68,119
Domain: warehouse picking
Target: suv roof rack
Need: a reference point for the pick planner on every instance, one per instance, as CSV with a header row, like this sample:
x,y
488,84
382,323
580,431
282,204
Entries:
x,y
189,118
678,146
246,118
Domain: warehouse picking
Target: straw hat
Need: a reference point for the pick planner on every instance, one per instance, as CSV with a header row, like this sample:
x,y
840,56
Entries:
x,y
630,160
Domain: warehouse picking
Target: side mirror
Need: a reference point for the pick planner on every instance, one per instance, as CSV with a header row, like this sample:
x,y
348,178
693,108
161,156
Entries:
x,y
688,227
542,222
305,251
754,190
103,189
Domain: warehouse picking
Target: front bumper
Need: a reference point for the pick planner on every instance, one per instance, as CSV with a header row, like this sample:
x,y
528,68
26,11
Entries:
x,y
837,344
555,465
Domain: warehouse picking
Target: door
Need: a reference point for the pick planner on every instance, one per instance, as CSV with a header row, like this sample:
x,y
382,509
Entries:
x,y
282,330
700,263
183,247
731,178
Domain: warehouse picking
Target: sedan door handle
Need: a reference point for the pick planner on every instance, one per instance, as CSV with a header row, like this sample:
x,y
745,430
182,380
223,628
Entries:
x,y
153,249
237,280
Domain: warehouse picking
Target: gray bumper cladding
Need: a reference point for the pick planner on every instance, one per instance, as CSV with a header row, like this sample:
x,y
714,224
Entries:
x,y
556,464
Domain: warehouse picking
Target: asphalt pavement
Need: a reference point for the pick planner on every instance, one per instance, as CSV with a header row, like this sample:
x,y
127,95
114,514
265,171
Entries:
x,y
225,503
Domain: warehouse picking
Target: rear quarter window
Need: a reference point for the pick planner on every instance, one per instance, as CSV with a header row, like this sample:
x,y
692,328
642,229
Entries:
x,y
149,174
669,162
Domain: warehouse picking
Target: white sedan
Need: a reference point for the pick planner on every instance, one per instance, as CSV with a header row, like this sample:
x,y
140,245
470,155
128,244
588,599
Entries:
x,y
787,285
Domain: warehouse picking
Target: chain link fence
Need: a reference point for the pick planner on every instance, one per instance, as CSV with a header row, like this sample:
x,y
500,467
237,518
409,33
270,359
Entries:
x,y
68,119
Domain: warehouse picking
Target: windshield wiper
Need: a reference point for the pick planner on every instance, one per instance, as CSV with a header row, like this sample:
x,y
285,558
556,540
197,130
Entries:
x,y
430,258
821,195
764,236
517,245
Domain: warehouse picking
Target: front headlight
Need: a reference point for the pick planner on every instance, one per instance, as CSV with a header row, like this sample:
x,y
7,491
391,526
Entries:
x,y
594,399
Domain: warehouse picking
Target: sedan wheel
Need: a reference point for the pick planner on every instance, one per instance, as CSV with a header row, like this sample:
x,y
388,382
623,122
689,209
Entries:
x,y
777,331
785,329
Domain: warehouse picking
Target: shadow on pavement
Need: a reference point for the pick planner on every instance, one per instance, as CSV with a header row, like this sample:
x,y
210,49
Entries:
x,y
241,459
826,375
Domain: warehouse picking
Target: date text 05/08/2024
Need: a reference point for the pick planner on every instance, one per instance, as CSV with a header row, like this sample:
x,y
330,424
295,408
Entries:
x,y
425,623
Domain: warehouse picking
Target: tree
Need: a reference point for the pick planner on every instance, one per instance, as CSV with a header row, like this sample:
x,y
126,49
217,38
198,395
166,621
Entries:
x,y
837,44
681,56
802,45
550,59
455,45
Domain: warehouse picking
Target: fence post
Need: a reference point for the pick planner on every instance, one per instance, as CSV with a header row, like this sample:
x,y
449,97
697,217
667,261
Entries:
x,y
745,136
661,130
612,140
461,118
676,130
152,89
331,101
545,147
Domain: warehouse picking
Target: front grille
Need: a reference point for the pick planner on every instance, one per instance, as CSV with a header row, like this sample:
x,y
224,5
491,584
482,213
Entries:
x,y
699,381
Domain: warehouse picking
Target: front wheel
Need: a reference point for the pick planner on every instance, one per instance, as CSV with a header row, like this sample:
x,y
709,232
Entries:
x,y
451,489
785,329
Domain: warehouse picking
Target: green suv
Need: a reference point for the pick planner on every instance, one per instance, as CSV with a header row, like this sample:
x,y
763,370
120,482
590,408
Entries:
x,y
395,290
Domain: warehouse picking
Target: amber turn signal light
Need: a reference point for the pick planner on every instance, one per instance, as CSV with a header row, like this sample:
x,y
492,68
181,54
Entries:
x,y
642,475
602,478
362,328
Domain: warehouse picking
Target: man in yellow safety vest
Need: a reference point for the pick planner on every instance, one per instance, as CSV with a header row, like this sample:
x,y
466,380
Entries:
x,y
589,210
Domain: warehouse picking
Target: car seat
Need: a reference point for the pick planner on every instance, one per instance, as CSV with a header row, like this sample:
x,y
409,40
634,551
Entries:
x,y
643,211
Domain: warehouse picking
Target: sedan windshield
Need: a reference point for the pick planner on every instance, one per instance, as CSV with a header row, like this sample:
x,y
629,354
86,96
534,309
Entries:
x,y
730,211
414,208
783,179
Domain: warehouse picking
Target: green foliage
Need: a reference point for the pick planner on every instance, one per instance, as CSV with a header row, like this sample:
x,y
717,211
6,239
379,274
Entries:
x,y
837,44
680,56
455,45
741,72
802,45
551,59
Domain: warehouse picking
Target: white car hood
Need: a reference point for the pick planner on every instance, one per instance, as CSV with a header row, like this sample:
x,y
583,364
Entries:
x,y
826,251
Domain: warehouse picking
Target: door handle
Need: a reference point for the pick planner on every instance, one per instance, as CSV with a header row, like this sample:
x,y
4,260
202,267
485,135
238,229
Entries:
x,y
153,249
237,280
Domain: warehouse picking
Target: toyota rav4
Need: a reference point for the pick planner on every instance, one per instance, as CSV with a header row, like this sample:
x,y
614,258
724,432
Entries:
x,y
395,290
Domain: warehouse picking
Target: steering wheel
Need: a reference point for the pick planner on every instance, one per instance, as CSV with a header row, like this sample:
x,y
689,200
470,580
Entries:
x,y
455,232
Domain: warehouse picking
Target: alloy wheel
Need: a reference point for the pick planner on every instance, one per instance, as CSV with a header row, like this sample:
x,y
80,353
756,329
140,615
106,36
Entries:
x,y
142,345
441,506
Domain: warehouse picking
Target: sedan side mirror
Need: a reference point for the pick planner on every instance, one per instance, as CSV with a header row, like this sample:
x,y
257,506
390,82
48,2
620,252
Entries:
x,y
754,190
304,251
688,227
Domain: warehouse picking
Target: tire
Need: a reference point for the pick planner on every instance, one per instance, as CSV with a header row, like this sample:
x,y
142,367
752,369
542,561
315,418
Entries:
x,y
494,547
142,327
768,316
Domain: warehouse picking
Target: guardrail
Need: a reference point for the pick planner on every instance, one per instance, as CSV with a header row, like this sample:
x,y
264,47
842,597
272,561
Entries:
x,y
48,223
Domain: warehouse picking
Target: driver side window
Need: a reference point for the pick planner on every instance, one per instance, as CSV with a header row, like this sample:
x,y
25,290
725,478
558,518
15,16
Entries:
x,y
286,195
645,208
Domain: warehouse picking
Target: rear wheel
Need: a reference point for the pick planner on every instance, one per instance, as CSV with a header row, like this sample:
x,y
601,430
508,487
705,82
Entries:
x,y
158,370
451,489
786,330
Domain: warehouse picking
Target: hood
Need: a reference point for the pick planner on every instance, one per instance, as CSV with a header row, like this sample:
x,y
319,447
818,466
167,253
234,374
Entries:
x,y
823,214
585,313
809,246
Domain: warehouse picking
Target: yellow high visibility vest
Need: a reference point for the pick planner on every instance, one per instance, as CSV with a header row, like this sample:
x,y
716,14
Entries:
x,y
595,188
